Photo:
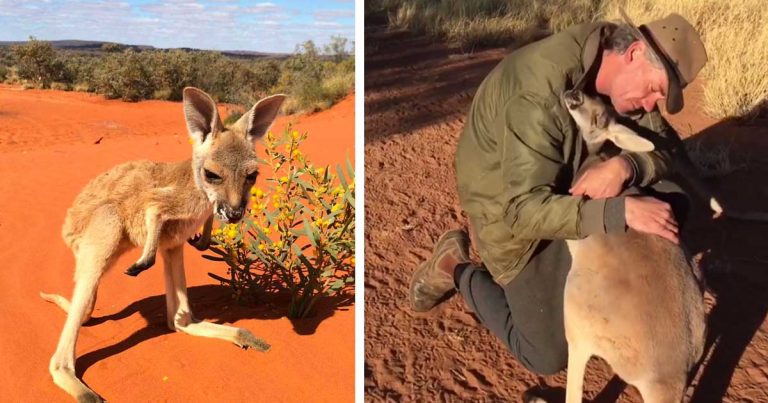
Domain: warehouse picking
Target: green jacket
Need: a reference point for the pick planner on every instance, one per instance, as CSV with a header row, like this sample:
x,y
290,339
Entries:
x,y
520,148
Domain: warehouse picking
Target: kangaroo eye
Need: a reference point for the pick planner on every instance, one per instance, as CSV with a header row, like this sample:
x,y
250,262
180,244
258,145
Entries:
x,y
210,176
252,176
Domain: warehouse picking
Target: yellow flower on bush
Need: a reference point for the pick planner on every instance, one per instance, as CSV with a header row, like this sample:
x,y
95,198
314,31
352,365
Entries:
x,y
231,233
295,193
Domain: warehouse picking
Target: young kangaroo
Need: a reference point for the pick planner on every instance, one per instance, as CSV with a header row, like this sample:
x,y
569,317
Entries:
x,y
159,206
630,298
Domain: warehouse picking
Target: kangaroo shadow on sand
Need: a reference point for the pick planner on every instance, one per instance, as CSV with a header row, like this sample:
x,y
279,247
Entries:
x,y
734,253
211,303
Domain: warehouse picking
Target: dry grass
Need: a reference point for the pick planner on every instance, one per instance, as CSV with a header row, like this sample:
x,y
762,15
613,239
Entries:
x,y
735,34
485,22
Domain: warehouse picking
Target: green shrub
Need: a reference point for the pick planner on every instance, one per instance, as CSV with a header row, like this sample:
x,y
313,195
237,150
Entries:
x,y
298,236
312,83
232,118
35,61
125,76
60,86
172,71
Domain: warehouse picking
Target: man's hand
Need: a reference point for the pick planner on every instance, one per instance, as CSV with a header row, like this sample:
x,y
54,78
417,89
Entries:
x,y
652,216
604,179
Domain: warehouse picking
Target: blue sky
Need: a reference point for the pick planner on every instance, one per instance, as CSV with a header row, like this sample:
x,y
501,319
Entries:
x,y
268,26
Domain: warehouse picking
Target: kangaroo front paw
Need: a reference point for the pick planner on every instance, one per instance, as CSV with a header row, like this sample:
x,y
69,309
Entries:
x,y
140,266
246,339
199,242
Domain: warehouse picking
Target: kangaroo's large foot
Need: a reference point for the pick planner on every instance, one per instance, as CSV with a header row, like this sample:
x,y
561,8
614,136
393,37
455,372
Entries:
x,y
246,339
64,377
89,398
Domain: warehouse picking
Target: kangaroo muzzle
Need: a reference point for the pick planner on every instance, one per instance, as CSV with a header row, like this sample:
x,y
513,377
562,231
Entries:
x,y
229,214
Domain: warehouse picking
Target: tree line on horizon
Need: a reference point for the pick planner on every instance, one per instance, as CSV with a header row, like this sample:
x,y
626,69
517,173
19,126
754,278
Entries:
x,y
314,80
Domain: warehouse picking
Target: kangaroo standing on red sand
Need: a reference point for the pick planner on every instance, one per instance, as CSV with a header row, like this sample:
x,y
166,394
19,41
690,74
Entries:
x,y
159,206
631,298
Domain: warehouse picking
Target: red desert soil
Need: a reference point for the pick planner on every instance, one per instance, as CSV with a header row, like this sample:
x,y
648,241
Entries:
x,y
416,95
47,154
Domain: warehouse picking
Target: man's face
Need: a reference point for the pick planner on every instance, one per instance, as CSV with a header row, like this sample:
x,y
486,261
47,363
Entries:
x,y
638,84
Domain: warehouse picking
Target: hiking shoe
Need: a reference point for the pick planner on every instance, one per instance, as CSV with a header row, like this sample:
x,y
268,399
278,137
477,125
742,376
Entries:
x,y
433,280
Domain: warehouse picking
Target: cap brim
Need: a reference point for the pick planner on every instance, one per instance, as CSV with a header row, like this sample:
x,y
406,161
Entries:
x,y
674,89
674,96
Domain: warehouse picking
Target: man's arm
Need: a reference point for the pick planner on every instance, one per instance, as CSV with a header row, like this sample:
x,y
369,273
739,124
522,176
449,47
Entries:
x,y
653,166
533,161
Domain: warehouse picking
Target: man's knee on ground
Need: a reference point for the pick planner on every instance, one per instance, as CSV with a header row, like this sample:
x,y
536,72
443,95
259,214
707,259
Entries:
x,y
545,361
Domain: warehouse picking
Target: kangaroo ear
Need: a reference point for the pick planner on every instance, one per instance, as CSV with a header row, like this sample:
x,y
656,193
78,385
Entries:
x,y
200,114
626,139
257,121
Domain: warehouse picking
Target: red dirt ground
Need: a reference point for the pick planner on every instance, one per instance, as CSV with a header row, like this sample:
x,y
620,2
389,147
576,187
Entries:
x,y
47,154
416,95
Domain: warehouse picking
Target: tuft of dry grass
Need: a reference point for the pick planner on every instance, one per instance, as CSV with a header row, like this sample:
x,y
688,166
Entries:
x,y
735,34
486,22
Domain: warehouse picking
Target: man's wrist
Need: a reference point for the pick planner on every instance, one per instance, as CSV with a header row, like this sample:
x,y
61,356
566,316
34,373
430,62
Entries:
x,y
629,169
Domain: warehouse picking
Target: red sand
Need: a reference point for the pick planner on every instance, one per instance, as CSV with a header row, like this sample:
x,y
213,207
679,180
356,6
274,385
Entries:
x,y
47,154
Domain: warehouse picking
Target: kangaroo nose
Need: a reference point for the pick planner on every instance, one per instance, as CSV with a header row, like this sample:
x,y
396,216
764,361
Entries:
x,y
233,215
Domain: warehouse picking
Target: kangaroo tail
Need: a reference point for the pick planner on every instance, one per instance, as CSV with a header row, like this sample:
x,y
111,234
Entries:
x,y
60,301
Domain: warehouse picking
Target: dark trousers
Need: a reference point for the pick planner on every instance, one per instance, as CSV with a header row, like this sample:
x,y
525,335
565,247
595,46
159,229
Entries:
x,y
527,313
